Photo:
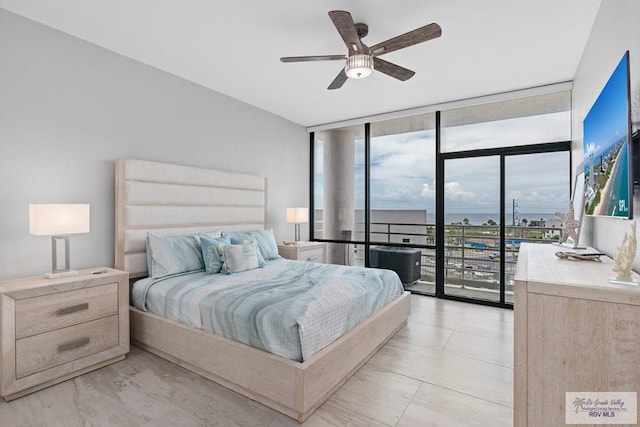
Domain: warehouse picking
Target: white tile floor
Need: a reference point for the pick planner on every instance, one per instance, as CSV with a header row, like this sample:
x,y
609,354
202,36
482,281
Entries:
x,y
452,365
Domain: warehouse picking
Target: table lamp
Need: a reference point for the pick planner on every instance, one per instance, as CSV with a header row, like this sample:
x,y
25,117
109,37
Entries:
x,y
297,216
58,221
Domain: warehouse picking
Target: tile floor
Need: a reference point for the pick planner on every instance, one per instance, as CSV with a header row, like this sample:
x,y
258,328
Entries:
x,y
452,365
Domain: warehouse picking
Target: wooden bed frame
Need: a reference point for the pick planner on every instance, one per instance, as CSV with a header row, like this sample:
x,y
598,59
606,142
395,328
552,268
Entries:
x,y
178,199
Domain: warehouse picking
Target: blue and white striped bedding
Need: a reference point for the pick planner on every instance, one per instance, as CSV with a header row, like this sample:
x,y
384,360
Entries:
x,y
289,308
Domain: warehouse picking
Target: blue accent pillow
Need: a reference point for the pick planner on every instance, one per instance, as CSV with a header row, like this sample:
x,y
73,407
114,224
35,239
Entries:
x,y
267,244
167,254
264,238
242,257
213,253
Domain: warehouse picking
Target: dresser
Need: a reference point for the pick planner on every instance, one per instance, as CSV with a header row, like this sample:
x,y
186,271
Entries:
x,y
56,329
573,332
304,251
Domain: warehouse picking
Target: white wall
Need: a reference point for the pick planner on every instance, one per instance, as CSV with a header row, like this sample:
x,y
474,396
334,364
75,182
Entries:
x,y
615,31
68,109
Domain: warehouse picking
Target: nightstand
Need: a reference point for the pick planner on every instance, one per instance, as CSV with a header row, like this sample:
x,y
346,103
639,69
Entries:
x,y
56,329
304,251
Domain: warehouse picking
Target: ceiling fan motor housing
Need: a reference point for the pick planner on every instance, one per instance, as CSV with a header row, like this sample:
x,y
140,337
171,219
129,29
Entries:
x,y
362,29
359,66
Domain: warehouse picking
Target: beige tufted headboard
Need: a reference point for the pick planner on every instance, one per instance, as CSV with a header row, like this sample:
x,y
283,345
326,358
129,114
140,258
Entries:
x,y
174,199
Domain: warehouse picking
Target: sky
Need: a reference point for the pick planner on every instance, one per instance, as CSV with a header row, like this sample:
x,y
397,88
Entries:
x,y
608,118
403,169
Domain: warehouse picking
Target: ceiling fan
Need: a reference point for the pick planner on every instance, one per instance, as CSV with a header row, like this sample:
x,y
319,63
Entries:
x,y
361,59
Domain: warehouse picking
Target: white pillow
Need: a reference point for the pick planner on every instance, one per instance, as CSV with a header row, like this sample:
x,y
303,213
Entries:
x,y
241,257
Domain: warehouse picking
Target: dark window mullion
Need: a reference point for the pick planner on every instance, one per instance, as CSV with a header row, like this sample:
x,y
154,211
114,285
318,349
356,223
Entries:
x,y
502,229
367,191
440,241
312,151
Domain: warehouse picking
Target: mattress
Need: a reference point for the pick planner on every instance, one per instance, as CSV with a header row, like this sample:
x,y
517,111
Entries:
x,y
289,308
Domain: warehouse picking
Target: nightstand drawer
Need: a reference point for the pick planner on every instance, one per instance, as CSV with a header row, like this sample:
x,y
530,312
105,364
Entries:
x,y
312,255
40,352
304,251
50,312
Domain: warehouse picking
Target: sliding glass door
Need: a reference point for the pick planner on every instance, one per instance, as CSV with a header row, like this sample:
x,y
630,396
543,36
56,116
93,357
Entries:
x,y
536,189
492,204
472,228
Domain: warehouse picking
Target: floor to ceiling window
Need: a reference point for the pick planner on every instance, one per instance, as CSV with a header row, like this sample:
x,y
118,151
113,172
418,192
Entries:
x,y
402,158
339,192
445,198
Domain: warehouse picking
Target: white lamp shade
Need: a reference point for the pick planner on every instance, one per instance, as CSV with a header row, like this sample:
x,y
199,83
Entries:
x,y
297,215
58,219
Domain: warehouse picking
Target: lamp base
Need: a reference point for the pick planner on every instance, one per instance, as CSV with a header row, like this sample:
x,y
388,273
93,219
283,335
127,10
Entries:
x,y
60,274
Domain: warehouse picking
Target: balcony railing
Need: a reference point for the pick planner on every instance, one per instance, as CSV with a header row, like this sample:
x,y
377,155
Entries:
x,y
472,252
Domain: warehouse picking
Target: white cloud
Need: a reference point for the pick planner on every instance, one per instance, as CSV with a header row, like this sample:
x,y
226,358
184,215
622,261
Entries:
x,y
453,192
403,176
428,191
589,148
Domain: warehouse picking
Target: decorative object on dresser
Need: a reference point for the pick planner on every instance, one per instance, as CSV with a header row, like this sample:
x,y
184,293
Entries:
x,y
570,227
573,332
570,224
56,329
297,216
58,221
623,261
304,251
580,256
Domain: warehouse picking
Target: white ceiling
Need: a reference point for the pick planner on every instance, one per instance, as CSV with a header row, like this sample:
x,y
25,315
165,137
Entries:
x,y
233,47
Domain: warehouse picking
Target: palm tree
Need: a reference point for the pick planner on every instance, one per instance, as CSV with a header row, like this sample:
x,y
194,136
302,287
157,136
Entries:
x,y
579,402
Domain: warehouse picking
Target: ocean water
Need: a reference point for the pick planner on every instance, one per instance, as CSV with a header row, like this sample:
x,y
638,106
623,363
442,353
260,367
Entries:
x,y
479,219
618,203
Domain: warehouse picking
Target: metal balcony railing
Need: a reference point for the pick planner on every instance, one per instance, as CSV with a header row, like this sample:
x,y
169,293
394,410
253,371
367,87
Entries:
x,y
472,252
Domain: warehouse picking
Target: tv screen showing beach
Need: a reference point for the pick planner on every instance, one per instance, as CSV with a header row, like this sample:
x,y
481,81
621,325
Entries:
x,y
607,174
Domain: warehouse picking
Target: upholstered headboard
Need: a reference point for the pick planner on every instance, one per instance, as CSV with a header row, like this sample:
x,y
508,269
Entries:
x,y
174,199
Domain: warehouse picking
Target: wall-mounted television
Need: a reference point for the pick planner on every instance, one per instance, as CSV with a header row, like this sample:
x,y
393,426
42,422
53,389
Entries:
x,y
608,168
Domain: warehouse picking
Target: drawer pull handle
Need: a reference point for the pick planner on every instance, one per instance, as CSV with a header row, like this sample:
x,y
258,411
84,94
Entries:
x,y
312,258
72,309
74,344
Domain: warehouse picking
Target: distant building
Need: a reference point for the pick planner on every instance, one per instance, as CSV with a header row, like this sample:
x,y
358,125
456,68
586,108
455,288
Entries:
x,y
537,223
555,228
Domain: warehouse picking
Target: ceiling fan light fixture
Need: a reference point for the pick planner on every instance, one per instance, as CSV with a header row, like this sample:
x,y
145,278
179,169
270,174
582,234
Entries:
x,y
359,66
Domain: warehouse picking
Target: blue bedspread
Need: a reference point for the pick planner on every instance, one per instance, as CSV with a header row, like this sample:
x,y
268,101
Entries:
x,y
289,308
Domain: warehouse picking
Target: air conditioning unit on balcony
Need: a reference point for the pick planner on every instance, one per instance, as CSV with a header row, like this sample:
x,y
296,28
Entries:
x,y
404,261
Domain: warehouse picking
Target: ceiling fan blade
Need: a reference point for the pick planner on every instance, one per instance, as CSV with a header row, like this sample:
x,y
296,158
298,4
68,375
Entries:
x,y
416,36
392,70
312,58
347,29
339,80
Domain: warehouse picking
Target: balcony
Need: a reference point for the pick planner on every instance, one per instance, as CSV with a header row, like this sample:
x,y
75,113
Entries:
x,y
472,254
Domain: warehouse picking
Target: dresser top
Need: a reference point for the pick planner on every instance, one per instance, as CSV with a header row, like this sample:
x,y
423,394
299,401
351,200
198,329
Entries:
x,y
543,272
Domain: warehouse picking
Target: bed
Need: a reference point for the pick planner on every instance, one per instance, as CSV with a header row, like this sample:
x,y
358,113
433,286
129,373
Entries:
x,y
171,199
